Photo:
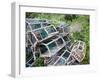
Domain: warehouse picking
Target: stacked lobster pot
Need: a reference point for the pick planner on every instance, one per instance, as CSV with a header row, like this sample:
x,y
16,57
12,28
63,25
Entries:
x,y
52,43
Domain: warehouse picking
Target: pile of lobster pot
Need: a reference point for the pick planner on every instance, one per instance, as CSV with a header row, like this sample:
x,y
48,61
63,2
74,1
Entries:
x,y
53,43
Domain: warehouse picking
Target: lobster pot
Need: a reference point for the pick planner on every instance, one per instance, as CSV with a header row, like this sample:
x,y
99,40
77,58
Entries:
x,y
51,46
